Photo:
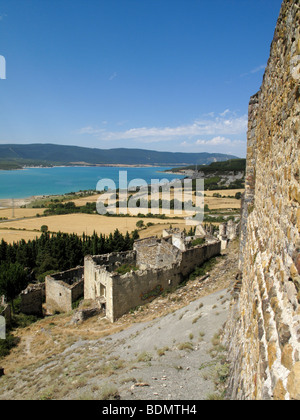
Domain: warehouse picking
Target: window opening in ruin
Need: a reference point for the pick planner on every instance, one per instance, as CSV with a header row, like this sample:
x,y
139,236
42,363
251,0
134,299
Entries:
x,y
102,290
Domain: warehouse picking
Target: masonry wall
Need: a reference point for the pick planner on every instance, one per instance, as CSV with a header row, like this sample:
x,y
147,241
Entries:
x,y
194,257
32,299
63,289
115,259
263,332
95,276
153,253
137,288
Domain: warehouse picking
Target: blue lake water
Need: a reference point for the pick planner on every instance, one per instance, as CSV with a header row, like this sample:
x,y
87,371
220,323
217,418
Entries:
x,y
61,180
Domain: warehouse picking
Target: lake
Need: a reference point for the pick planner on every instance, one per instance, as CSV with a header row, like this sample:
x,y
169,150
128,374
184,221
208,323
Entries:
x,y
61,180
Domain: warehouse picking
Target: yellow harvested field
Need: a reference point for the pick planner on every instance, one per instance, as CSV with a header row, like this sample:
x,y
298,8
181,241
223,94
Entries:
x,y
18,213
29,227
158,229
79,224
11,236
223,192
222,203
212,202
215,203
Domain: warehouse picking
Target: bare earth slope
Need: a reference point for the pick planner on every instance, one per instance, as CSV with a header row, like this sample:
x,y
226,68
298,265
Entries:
x,y
166,350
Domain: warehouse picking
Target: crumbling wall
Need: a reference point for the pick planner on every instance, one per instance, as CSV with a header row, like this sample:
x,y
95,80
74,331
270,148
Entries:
x,y
98,282
139,287
63,289
32,299
115,259
196,256
155,253
155,274
264,329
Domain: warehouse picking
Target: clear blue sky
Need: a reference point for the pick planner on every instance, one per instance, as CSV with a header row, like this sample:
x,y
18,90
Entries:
x,y
172,75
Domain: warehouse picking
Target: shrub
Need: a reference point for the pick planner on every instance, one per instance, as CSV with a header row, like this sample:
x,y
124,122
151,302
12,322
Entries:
x,y
198,241
126,268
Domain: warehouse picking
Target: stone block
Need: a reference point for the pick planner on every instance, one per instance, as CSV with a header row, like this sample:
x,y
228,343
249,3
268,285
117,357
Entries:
x,y
293,383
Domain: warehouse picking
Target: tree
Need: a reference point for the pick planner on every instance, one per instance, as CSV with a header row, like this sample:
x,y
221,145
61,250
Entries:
x,y
12,280
44,228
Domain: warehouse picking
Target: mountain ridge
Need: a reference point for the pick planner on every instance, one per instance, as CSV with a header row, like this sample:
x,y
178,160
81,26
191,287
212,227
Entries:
x,y
70,155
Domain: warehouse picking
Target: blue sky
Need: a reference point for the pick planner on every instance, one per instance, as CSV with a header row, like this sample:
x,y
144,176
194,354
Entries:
x,y
170,75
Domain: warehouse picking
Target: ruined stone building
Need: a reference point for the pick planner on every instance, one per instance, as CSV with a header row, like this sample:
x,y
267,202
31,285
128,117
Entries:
x,y
63,289
156,266
228,232
264,328
120,281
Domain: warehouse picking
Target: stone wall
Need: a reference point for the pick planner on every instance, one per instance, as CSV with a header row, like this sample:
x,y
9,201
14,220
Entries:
x,y
115,259
194,257
139,287
124,292
155,253
264,329
63,289
32,299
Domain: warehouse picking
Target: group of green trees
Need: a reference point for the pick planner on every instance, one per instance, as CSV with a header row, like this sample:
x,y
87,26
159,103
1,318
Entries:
x,y
69,208
23,262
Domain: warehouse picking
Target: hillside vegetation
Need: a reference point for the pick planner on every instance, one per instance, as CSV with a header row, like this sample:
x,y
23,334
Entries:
x,y
230,165
12,155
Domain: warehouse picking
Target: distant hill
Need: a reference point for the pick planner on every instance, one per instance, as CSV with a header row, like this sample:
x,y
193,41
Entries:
x,y
229,174
15,155
236,165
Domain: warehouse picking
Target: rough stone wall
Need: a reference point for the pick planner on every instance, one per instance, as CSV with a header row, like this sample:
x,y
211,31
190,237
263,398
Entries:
x,y
196,256
32,299
115,259
98,283
248,199
137,288
63,289
154,253
264,329
124,292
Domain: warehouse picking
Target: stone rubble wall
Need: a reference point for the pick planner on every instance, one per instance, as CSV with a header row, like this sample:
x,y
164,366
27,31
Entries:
x,y
32,299
63,289
263,331
154,253
139,287
124,292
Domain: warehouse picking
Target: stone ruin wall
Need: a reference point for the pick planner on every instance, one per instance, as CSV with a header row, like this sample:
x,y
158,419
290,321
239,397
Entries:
x,y
264,329
153,253
124,292
115,259
32,299
137,288
63,289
